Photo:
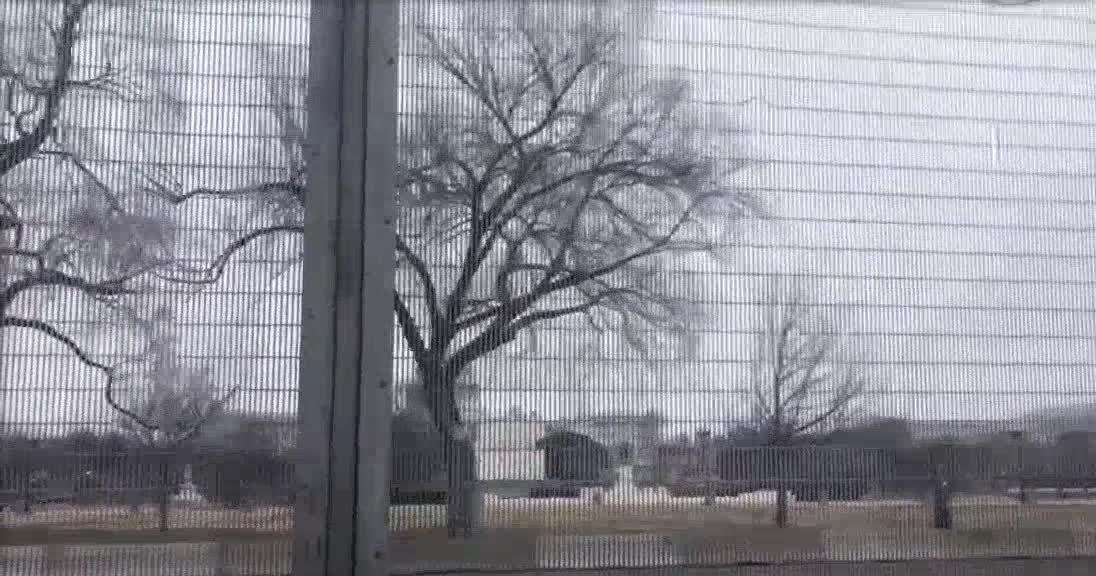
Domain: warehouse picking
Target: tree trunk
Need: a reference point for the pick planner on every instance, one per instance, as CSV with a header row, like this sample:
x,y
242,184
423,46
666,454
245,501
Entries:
x,y
941,505
28,491
164,495
709,496
440,383
461,486
782,506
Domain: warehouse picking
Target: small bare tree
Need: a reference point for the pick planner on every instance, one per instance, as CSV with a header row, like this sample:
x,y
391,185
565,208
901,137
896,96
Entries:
x,y
800,378
171,404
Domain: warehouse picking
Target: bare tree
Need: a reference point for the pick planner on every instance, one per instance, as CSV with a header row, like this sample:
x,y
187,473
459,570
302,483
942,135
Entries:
x,y
75,240
801,379
170,405
555,185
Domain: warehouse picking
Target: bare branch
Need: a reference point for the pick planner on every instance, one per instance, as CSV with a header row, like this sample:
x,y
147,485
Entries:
x,y
76,350
293,187
422,270
499,335
55,278
180,399
48,330
111,198
35,255
411,333
30,141
214,272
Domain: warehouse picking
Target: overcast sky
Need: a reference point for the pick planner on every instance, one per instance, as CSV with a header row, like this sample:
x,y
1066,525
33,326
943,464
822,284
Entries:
x,y
929,168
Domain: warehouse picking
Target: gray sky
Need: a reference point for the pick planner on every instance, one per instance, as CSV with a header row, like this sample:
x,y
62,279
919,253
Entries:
x,y
930,169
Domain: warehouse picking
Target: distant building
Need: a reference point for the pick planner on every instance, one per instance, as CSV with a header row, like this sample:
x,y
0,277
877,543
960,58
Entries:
x,y
524,449
275,431
574,457
632,438
962,431
507,450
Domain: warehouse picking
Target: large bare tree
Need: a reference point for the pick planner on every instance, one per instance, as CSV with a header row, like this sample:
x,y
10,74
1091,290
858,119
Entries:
x,y
64,233
802,378
541,180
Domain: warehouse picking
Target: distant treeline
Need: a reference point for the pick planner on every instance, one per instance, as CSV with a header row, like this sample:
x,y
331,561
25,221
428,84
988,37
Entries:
x,y
247,468
880,457
111,468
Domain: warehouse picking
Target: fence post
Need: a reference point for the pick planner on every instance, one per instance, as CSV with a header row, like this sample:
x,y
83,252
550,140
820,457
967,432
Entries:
x,y
941,501
55,558
344,403
221,560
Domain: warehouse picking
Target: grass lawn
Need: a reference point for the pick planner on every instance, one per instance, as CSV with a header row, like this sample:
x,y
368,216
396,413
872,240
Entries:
x,y
517,533
121,518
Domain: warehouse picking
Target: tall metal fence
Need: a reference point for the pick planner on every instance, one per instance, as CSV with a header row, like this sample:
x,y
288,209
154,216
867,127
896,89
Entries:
x,y
677,284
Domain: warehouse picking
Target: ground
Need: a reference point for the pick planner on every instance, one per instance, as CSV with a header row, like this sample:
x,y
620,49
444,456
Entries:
x,y
574,534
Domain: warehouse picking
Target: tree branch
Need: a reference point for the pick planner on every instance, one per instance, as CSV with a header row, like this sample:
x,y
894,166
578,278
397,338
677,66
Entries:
x,y
217,268
47,278
423,272
461,67
28,143
293,187
411,333
495,337
79,352
23,253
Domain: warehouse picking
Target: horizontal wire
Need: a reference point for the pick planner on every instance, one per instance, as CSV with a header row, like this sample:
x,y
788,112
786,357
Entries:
x,y
698,362
538,358
705,72
815,80
997,12
937,116
979,144
1049,309
751,246
701,331
881,250
550,330
747,187
871,276
931,35
670,394
879,59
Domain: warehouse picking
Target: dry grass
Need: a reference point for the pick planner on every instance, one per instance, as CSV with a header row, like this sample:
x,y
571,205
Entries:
x,y
523,533
121,518
558,516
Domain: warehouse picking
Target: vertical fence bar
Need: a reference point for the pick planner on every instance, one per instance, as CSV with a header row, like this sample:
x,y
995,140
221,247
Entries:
x,y
348,286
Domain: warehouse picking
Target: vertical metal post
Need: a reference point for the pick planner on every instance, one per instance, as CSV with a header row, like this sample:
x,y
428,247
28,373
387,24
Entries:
x,y
705,437
347,324
7,240
1017,437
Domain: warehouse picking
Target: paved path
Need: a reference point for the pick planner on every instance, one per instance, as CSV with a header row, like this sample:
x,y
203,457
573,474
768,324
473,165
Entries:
x,y
197,559
267,560
581,554
1070,567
